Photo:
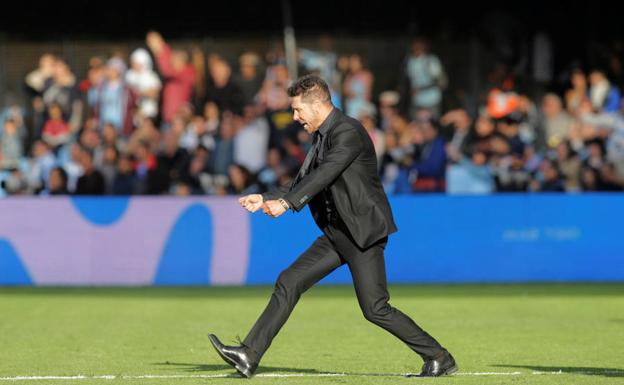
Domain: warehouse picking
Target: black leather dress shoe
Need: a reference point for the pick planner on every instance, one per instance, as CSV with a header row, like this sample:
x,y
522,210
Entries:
x,y
237,356
439,367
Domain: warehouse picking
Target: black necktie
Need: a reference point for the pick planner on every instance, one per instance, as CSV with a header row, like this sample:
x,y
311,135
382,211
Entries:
x,y
309,159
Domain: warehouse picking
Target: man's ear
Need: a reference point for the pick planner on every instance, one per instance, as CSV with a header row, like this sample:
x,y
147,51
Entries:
x,y
316,105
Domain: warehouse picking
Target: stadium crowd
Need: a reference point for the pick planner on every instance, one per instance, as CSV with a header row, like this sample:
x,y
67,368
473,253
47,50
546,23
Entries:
x,y
180,122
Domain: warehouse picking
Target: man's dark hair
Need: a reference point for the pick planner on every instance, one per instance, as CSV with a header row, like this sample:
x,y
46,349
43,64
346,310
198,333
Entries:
x,y
62,174
310,87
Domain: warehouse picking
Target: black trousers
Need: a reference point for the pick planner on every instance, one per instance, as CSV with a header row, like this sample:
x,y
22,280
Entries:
x,y
368,271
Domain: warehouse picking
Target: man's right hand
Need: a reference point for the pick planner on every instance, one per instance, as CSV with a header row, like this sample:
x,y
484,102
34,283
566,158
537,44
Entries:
x,y
252,202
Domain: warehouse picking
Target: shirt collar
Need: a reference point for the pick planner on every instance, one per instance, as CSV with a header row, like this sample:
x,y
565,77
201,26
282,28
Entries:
x,y
328,122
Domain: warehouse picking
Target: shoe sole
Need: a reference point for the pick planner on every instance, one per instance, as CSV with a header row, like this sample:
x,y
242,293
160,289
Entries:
x,y
450,370
446,372
243,372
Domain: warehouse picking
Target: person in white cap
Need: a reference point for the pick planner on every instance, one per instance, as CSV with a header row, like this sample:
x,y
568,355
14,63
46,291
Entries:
x,y
144,82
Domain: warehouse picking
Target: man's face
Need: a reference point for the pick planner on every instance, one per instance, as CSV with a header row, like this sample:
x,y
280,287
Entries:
x,y
305,114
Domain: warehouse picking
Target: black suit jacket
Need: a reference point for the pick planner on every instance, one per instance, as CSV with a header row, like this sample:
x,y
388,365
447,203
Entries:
x,y
347,167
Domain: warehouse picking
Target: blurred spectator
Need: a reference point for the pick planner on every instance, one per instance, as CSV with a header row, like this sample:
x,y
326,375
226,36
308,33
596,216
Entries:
x,y
212,118
57,182
144,82
294,149
609,180
249,78
62,89
357,87
92,181
501,104
470,175
557,122
90,139
182,189
604,96
11,146
39,166
145,132
148,178
324,61
399,149
36,83
577,93
15,113
223,154
114,103
274,99
457,123
198,61
509,172
548,179
15,183
241,181
388,108
36,80
125,181
269,175
252,139
570,166
480,139
222,89
96,72
589,179
429,168
179,75
173,161
427,78
110,156
529,123
196,133
595,155
367,118
73,166
532,159
342,70
110,137
96,75
509,130
615,144
56,130
198,168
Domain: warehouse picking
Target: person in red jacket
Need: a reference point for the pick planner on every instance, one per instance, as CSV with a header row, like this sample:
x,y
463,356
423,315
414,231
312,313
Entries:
x,y
178,74
56,130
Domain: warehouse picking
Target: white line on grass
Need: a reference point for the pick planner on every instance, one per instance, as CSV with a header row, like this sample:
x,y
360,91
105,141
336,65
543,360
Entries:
x,y
281,375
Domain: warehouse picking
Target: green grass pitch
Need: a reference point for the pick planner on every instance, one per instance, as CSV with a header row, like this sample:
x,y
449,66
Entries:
x,y
499,334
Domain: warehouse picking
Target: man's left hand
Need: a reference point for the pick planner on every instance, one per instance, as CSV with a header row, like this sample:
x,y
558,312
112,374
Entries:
x,y
273,208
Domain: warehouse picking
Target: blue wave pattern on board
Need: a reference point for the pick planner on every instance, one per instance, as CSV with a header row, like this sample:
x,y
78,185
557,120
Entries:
x,y
188,250
12,271
99,211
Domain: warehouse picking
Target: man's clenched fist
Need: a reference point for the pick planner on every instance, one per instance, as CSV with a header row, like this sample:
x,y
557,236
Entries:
x,y
252,202
273,208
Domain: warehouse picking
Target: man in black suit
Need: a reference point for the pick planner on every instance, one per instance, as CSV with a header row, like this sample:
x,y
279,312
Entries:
x,y
339,181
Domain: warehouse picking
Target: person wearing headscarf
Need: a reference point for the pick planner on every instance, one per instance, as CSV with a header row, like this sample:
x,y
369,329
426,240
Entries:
x,y
144,81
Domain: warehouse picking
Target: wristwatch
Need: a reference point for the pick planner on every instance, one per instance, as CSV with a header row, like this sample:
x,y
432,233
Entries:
x,y
283,203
